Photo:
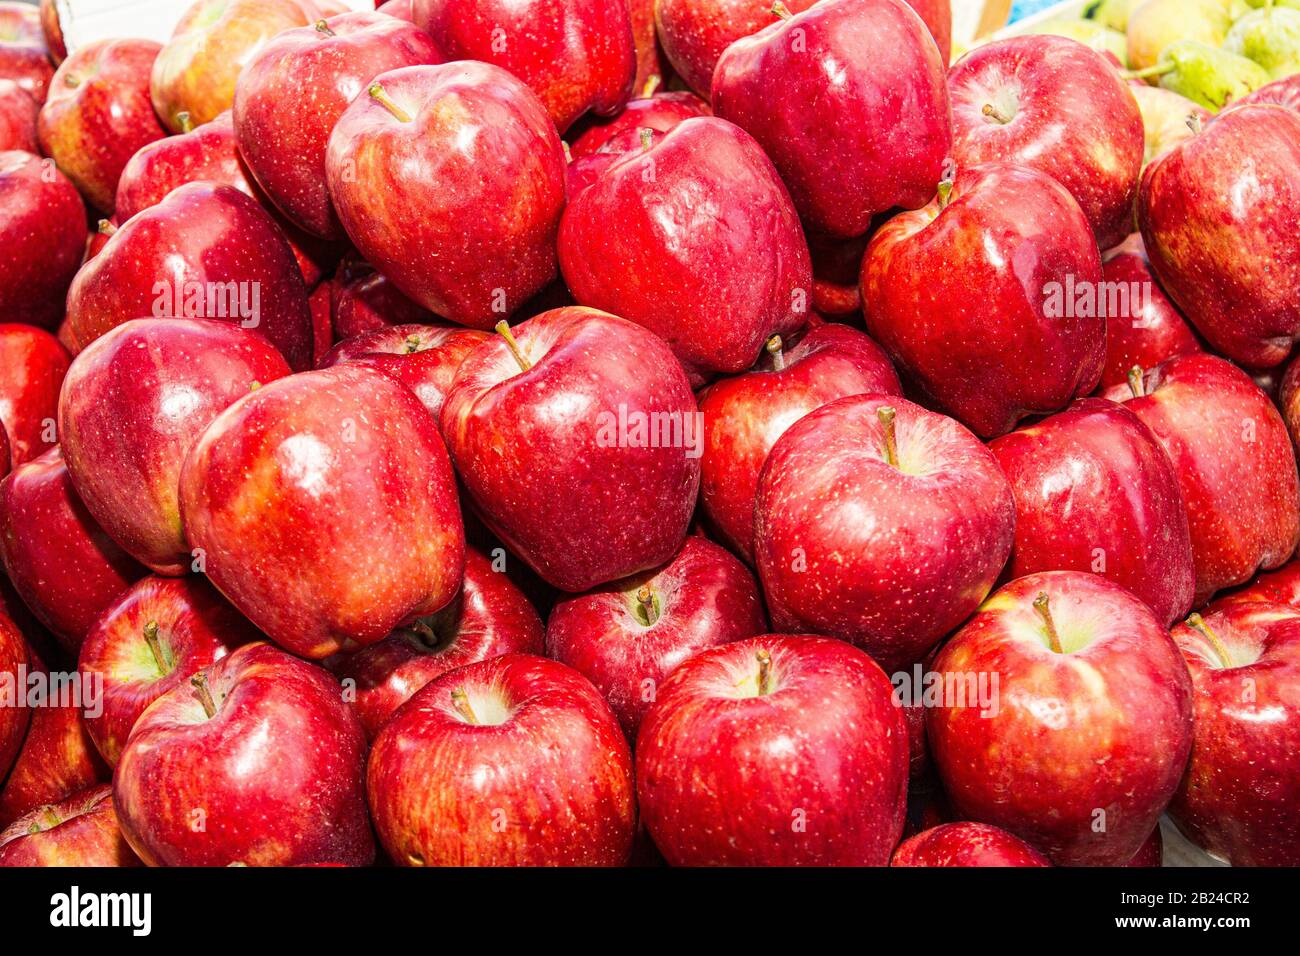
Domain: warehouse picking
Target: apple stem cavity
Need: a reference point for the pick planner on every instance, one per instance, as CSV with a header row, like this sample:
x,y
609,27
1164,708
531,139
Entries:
x,y
323,29
764,671
779,9
200,684
503,330
1197,623
1135,384
185,121
1042,604
774,346
377,94
886,414
155,647
460,701
647,607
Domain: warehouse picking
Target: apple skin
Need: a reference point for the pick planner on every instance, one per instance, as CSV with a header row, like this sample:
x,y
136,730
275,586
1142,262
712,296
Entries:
x,y
1060,108
53,31
34,364
582,507
98,114
724,772
489,617
61,562
576,55
1284,92
1141,337
745,415
320,71
966,845
277,772
13,720
133,403
836,264
1234,461
43,229
702,598
372,302
659,112
424,358
450,257
957,295
651,69
158,256
695,238
1272,587
937,16
18,112
878,82
1104,726
1240,798
81,830
1088,483
1152,852
889,557
196,70
195,628
544,780
1215,216
24,56
1288,399
272,495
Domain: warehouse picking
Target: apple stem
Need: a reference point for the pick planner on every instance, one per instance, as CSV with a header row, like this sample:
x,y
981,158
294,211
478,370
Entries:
x,y
944,192
651,86
106,228
764,671
460,700
324,28
992,112
774,346
1195,124
427,635
1135,384
200,684
503,329
568,153
779,9
886,414
1197,623
155,647
383,99
646,598
185,121
1042,604
647,138
1159,69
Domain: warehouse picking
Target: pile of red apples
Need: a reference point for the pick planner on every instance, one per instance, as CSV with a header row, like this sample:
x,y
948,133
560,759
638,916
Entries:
x,y
582,432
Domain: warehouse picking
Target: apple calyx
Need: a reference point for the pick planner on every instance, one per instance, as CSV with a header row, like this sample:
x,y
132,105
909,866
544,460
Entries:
x,y
779,9
323,29
503,330
412,344
764,671
652,83
774,346
460,701
647,606
377,94
886,414
185,121
200,684
1197,623
1042,604
160,656
1135,382
106,228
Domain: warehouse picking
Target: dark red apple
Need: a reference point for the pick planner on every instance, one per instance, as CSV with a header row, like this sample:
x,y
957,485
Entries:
x,y
696,239
324,507
13,719
837,264
1273,587
871,71
371,302
1152,852
191,789
774,751
881,523
238,268
577,438
413,168
43,231
964,845
746,414
18,112
34,364
659,113
977,297
24,56
513,761
81,830
150,640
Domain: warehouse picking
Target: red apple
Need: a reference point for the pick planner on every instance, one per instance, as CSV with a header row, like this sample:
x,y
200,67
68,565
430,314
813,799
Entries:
x,y
1284,92
414,169
256,760
881,523
150,640
696,239
1090,724
81,830
774,751
196,70
1055,105
424,358
628,636
966,844
133,403
1096,492
1273,587
98,114
1146,328
18,112
327,66
577,438
371,302
489,617
61,562
514,761
576,55
43,230
650,67
1234,461
1216,216
871,71
745,415
24,56
325,509
836,264
659,112
238,268
979,297
1151,853
937,16
1240,798
53,30
13,719
34,364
